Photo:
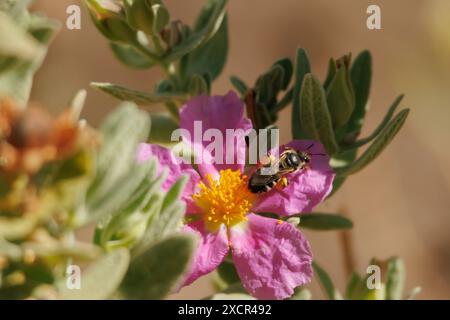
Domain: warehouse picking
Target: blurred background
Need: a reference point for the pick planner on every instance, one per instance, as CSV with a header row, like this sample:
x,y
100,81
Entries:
x,y
400,205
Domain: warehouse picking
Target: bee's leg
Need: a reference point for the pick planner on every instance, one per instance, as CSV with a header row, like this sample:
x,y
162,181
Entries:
x,y
266,161
284,182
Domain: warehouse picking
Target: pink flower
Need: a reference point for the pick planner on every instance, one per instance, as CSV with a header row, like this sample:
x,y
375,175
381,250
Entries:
x,y
271,256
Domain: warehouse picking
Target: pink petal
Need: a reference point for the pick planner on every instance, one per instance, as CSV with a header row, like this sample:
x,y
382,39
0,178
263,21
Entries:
x,y
306,188
272,259
218,113
176,168
212,250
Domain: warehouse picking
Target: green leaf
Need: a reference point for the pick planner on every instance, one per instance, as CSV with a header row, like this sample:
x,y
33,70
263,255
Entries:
x,y
101,279
326,282
16,82
210,57
211,19
357,288
302,67
197,85
42,28
315,118
16,41
395,282
331,73
325,221
131,57
117,173
361,77
387,118
288,68
348,153
284,102
126,221
340,96
17,9
380,143
301,293
163,126
158,270
10,250
269,85
169,217
61,252
227,272
239,84
161,18
138,97
139,15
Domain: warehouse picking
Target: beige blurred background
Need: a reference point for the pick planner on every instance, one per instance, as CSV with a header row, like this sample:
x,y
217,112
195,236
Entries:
x,y
400,204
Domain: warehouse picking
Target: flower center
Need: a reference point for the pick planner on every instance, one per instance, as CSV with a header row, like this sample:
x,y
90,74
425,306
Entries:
x,y
226,200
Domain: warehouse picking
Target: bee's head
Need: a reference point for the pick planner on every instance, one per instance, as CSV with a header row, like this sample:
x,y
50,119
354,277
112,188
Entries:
x,y
304,157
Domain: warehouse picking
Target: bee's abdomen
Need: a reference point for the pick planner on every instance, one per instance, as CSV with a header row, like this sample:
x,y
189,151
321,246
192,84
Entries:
x,y
260,183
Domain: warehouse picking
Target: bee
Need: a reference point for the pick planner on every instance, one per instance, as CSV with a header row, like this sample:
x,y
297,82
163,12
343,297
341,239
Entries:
x,y
289,161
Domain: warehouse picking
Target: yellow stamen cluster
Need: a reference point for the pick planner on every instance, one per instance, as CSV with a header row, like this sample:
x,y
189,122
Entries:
x,y
226,200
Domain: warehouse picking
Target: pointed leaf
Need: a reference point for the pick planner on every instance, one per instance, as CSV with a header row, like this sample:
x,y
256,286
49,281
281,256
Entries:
x,y
361,77
157,271
302,67
138,97
387,118
326,282
211,56
395,282
314,117
131,57
101,279
239,84
212,17
380,143
325,221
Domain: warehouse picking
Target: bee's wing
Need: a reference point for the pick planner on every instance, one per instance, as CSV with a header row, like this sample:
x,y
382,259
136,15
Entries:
x,y
262,180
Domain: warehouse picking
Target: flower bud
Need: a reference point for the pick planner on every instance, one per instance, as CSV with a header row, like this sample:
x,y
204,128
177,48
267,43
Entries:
x,y
108,17
140,15
197,85
174,33
340,95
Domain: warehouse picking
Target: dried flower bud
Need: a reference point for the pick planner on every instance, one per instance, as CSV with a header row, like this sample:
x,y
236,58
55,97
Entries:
x,y
32,137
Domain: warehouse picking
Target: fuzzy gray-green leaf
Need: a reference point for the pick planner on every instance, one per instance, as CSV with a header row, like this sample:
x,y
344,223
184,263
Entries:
x,y
100,280
138,97
156,272
395,282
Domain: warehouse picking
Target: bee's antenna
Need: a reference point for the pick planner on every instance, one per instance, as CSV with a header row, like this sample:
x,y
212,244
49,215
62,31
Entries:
x,y
310,146
318,154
